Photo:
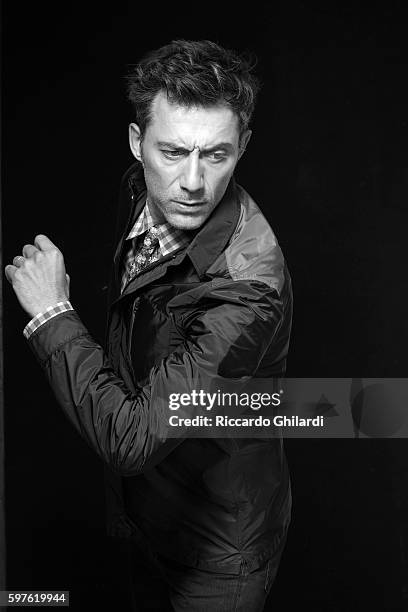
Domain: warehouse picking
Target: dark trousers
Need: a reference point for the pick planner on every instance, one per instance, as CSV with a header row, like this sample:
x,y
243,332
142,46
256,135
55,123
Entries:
x,y
161,584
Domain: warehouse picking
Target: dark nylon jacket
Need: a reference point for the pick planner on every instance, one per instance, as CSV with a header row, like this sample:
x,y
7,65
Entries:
x,y
221,306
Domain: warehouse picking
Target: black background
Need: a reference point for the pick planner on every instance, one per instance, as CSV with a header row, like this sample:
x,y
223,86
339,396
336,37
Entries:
x,y
328,164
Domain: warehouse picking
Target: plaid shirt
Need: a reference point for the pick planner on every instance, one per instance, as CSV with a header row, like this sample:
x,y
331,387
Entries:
x,y
42,317
169,237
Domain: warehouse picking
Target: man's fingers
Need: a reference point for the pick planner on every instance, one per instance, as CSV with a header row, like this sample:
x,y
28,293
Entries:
x,y
10,272
29,250
18,261
43,243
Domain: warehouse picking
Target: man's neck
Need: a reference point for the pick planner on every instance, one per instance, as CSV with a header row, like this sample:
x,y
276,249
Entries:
x,y
154,211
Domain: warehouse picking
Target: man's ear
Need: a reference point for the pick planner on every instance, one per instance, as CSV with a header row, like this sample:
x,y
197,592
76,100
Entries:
x,y
243,141
135,141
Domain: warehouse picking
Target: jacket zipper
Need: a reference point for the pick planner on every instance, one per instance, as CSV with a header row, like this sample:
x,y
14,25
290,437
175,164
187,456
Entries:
x,y
132,321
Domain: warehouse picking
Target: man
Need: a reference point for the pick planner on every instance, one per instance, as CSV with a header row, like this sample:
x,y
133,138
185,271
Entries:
x,y
200,291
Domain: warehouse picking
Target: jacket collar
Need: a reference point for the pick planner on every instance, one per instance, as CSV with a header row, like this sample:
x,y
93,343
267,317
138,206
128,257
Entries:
x,y
208,241
213,236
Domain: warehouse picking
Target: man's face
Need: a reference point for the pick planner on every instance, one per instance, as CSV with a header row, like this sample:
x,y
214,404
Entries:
x,y
189,156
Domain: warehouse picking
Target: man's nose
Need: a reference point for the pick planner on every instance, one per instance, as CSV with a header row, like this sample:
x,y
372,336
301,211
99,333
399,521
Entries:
x,y
192,176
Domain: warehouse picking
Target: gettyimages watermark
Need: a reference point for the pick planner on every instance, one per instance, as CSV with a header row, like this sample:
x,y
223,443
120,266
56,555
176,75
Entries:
x,y
292,407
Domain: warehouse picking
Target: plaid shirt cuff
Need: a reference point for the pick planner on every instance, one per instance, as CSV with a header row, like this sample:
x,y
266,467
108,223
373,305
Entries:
x,y
42,317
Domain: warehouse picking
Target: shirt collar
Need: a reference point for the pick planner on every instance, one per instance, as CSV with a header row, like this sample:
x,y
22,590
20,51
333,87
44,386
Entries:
x,y
170,238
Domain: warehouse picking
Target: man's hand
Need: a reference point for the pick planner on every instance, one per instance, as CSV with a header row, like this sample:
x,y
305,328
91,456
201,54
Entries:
x,y
38,276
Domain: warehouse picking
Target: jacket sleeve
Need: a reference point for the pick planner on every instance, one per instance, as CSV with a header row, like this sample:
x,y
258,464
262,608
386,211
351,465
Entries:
x,y
227,330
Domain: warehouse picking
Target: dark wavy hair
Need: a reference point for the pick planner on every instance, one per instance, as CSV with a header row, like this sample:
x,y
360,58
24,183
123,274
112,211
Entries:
x,y
194,73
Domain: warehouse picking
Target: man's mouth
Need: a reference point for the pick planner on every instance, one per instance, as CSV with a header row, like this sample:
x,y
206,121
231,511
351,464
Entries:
x,y
190,203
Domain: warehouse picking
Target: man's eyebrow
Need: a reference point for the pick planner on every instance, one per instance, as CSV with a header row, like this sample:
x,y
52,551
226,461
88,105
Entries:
x,y
171,145
227,146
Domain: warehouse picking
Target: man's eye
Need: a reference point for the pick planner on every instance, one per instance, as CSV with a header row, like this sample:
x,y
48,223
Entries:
x,y
217,156
172,154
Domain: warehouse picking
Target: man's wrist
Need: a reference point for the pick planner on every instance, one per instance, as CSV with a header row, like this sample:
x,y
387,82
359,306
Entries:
x,y
46,315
